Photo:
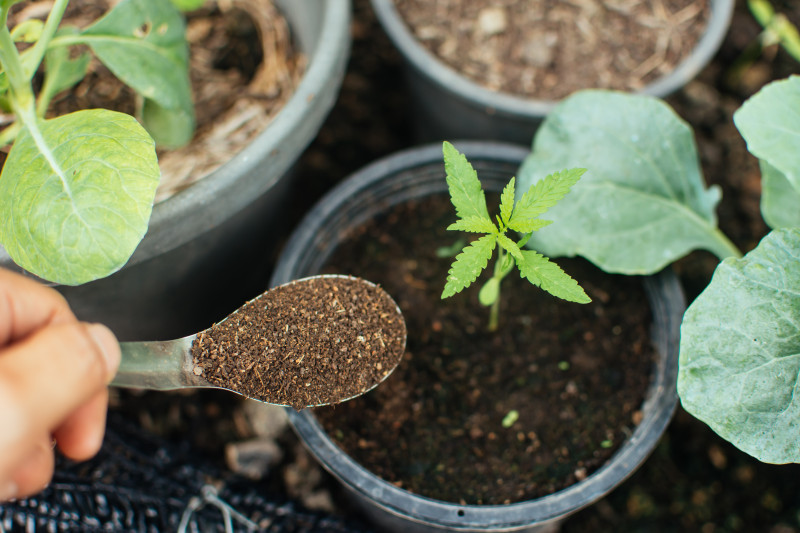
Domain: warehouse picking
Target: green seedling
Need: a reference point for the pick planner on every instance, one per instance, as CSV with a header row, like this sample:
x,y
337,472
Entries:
x,y
469,200
76,191
778,29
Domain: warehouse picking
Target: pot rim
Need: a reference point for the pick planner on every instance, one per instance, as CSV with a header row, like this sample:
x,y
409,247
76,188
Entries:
x,y
664,293
212,200
450,80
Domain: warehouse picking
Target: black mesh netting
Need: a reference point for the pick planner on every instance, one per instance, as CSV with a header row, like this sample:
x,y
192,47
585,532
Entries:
x,y
140,484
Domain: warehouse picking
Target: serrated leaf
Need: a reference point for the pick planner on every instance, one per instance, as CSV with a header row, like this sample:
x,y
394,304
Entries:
x,y
769,123
530,225
544,194
469,264
76,210
473,225
507,201
739,365
143,43
466,192
780,202
543,273
510,246
644,203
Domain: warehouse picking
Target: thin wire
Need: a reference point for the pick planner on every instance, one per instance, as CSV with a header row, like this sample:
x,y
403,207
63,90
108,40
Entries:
x,y
210,496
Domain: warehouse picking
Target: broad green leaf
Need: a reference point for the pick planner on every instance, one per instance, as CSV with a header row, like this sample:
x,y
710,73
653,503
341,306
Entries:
x,y
780,202
74,206
465,188
644,203
28,31
543,273
170,128
473,224
770,123
143,43
543,195
490,292
469,264
61,71
510,246
507,201
188,5
739,366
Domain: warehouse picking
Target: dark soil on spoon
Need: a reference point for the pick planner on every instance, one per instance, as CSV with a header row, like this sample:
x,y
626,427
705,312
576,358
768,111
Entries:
x,y
314,342
576,375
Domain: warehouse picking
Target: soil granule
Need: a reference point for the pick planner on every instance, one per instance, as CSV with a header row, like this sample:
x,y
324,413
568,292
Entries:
x,y
311,342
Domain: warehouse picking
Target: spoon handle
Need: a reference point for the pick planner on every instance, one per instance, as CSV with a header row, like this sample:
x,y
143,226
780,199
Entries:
x,y
157,365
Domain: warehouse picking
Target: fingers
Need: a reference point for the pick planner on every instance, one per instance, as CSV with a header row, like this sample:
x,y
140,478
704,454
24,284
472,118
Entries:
x,y
26,306
44,379
35,470
81,435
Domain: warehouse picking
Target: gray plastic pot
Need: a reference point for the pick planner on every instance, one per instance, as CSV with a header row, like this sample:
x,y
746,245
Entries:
x,y
417,173
448,105
208,246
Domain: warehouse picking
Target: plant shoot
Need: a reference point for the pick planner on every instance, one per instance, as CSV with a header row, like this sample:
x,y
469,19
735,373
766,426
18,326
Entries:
x,y
522,216
76,191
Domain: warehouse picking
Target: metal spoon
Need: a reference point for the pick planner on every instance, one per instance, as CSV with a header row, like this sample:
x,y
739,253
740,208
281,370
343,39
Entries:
x,y
169,365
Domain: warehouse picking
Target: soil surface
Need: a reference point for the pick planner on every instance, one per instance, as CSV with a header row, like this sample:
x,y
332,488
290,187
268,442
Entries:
x,y
436,426
550,48
311,342
694,481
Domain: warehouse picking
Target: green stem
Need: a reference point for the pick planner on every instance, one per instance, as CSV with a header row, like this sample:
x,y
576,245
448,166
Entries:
x,y
36,53
725,247
8,135
21,92
499,273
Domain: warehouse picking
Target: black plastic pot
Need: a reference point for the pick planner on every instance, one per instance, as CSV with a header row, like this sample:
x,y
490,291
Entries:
x,y
208,246
418,173
448,105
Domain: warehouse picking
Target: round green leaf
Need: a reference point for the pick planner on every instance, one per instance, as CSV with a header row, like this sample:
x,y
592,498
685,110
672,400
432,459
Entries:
x,y
642,203
75,202
768,122
780,202
740,351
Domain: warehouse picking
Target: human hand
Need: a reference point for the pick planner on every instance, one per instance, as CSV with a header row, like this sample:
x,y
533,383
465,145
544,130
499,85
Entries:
x,y
53,376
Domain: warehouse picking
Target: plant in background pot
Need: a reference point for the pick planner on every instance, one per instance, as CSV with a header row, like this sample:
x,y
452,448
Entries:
x,y
739,366
487,71
226,222
77,190
477,430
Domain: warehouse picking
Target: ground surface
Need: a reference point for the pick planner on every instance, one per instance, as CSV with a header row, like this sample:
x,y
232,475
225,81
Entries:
x,y
694,481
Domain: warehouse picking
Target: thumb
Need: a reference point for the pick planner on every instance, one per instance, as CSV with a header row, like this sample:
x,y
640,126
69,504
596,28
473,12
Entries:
x,y
47,376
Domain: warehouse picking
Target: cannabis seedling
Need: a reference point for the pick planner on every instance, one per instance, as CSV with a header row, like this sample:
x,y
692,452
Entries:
x,y
469,199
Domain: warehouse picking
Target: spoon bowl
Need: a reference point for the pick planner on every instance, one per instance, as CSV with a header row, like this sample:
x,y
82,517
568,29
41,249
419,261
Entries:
x,y
363,309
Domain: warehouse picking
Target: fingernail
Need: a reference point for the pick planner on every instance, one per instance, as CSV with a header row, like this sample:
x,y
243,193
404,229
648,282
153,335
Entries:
x,y
8,491
107,342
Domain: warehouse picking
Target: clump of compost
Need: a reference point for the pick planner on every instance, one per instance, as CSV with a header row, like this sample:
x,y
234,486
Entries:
x,y
311,342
